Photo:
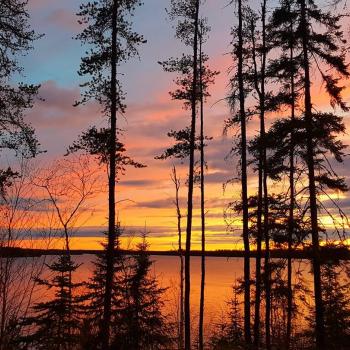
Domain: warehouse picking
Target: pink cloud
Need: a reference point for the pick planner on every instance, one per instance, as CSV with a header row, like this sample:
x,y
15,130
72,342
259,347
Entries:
x,y
64,19
57,110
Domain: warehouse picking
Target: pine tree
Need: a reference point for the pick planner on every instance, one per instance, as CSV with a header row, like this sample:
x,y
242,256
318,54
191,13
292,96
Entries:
x,y
16,38
177,183
239,117
202,34
257,81
16,135
55,323
108,30
228,334
285,68
188,31
95,142
142,323
92,300
318,42
193,81
336,304
329,47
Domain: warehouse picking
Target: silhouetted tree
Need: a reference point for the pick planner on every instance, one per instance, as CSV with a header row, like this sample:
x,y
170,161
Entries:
x,y
177,183
16,38
96,142
326,44
54,323
192,71
239,117
336,304
92,299
206,77
318,42
286,69
16,135
187,13
229,333
108,31
257,80
20,214
181,148
142,323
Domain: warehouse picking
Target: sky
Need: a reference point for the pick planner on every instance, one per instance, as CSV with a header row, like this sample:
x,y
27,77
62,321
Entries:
x,y
151,113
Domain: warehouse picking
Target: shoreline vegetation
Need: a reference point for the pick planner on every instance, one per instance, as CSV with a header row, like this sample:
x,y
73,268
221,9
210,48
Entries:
x,y
327,252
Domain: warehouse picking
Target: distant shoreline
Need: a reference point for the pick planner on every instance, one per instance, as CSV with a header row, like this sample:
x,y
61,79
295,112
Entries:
x,y
341,253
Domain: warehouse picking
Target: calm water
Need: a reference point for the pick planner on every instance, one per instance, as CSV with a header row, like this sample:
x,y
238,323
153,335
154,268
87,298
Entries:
x,y
221,274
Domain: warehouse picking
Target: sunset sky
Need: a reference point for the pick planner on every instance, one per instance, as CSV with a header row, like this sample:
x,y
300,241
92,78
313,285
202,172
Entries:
x,y
150,115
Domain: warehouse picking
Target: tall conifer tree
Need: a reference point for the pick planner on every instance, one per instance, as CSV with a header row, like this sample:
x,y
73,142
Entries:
x,y
319,44
239,117
143,325
108,30
193,81
286,69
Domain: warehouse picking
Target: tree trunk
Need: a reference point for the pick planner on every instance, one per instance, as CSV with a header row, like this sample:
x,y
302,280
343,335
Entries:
x,y
190,184
292,200
320,344
182,312
5,275
105,327
265,189
179,230
258,260
202,161
70,294
245,233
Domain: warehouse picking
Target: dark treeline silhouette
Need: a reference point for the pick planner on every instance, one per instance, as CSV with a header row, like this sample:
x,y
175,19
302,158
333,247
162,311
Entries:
x,y
280,138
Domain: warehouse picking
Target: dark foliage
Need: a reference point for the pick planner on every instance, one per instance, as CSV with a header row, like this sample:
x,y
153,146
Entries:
x,y
55,323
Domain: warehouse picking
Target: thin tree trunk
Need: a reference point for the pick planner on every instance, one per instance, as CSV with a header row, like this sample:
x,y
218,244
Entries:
x,y
320,343
202,160
292,200
259,220
267,267
190,183
179,230
69,273
258,261
4,291
245,233
258,253
262,207
5,278
265,189
105,327
182,311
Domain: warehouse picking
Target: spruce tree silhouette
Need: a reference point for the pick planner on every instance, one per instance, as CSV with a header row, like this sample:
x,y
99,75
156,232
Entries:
x,y
55,323
92,300
143,325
